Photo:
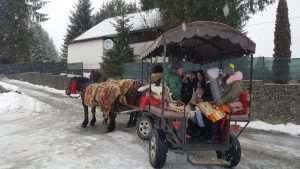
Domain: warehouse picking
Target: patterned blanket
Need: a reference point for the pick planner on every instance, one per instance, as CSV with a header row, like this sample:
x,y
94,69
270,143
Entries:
x,y
124,84
102,94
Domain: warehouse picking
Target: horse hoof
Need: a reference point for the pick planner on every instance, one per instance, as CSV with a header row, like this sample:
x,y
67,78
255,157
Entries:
x,y
109,130
92,122
105,122
83,126
92,125
129,125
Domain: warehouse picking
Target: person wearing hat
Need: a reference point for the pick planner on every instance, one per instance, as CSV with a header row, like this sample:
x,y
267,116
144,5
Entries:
x,y
232,86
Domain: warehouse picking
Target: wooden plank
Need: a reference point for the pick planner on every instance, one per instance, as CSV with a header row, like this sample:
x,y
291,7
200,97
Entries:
x,y
195,161
167,113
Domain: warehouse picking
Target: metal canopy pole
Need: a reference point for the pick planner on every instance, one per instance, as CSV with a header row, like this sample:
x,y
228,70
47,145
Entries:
x,y
250,87
150,81
142,77
163,84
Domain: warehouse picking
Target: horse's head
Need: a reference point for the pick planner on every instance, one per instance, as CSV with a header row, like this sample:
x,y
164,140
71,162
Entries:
x,y
132,95
71,87
97,77
77,84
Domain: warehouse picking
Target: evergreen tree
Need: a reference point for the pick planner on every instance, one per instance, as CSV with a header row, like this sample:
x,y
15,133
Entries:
x,y
43,49
33,7
178,11
15,29
282,43
121,53
113,9
80,21
15,34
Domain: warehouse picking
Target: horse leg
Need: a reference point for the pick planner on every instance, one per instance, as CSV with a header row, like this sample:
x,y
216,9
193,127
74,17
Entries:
x,y
105,120
135,117
93,121
130,122
86,117
112,122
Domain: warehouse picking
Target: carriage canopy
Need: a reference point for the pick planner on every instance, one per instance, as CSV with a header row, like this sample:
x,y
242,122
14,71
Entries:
x,y
201,42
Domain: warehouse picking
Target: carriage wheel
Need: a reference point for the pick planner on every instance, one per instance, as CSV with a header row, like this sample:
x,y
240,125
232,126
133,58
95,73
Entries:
x,y
233,155
144,127
157,149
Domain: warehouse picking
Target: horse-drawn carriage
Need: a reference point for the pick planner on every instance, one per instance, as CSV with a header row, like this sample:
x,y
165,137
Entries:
x,y
198,42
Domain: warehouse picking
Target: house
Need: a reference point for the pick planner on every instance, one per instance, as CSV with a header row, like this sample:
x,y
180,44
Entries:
x,y
91,46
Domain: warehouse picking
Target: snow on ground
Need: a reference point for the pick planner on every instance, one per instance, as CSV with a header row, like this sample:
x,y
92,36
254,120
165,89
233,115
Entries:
x,y
288,128
10,87
38,132
16,106
45,88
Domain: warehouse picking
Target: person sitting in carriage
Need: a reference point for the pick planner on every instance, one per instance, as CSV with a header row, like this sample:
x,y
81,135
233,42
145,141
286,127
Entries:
x,y
174,75
226,97
200,126
152,96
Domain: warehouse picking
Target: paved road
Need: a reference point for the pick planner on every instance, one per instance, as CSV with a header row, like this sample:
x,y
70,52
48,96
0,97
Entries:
x,y
54,139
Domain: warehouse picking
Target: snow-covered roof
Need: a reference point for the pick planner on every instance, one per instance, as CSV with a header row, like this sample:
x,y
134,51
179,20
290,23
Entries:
x,y
138,21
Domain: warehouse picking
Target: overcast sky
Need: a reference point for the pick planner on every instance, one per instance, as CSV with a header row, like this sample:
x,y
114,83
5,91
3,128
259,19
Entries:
x,y
260,28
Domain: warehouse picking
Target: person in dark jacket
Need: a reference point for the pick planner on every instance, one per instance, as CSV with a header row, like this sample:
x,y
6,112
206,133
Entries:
x,y
188,87
209,130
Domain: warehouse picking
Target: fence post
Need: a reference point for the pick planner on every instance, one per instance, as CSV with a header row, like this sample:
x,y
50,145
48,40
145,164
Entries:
x,y
42,67
81,69
263,70
11,69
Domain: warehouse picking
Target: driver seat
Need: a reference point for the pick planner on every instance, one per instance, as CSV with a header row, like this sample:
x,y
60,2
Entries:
x,y
242,115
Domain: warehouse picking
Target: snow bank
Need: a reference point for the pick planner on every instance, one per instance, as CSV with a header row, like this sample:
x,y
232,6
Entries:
x,y
288,128
16,106
10,87
45,88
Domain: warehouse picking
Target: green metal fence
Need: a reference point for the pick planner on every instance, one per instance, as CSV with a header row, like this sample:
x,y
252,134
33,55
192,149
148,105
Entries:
x,y
264,68
43,67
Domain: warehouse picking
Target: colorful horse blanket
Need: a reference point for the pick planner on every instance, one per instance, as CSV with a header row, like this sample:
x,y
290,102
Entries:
x,y
124,84
102,94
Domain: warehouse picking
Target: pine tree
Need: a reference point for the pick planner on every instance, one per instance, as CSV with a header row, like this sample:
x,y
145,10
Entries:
x,y
33,7
121,53
282,43
43,49
113,9
282,34
179,11
80,21
16,34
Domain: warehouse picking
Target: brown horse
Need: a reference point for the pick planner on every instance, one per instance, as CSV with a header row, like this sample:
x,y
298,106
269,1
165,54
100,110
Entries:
x,y
81,84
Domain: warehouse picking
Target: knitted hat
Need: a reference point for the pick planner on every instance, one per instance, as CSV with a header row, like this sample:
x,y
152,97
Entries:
x,y
157,69
227,70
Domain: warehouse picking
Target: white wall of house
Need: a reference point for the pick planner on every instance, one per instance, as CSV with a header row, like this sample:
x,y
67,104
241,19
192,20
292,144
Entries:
x,y
89,52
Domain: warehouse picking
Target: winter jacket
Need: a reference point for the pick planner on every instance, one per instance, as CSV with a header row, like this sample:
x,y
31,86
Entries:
x,y
186,92
232,89
207,95
173,82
